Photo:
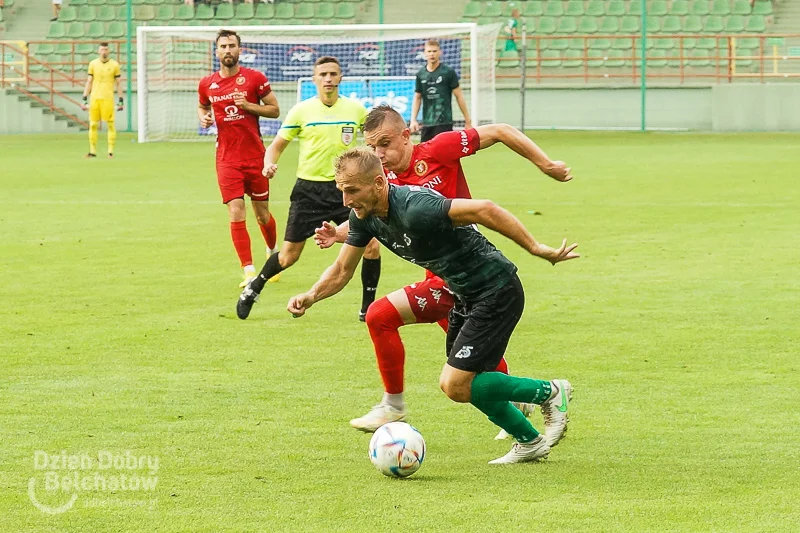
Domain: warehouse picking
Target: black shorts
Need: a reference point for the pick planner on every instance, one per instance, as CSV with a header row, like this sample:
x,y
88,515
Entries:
x,y
312,203
426,133
479,331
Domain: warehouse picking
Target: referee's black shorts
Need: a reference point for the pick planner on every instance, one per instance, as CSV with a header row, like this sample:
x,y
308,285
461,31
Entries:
x,y
426,133
479,331
312,203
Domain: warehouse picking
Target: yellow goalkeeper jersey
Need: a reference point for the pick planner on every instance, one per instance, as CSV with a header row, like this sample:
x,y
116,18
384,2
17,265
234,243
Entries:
x,y
324,133
103,77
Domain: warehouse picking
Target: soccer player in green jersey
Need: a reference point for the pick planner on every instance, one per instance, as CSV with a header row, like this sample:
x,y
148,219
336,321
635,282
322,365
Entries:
x,y
434,232
437,83
326,126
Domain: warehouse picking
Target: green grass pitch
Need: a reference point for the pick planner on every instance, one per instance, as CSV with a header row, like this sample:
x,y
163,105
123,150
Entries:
x,y
678,328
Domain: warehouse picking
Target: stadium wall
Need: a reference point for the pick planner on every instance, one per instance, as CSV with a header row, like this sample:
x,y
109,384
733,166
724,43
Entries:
x,y
739,107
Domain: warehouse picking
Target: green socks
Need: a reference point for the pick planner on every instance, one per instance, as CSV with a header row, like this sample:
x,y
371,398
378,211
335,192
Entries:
x,y
492,393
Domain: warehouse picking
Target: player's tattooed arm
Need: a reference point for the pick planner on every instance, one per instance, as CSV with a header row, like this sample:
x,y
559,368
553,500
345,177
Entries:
x,y
520,143
492,216
333,280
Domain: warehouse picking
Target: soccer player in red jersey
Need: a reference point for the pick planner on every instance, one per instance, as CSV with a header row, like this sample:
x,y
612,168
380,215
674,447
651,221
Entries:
x,y
435,164
238,96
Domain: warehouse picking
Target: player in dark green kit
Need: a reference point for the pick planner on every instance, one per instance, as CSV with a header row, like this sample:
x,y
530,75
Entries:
x,y
435,232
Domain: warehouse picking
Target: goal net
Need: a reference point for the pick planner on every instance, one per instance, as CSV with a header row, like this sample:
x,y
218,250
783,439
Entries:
x,y
379,63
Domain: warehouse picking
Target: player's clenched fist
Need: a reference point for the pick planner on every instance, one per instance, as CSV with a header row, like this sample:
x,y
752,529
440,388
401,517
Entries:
x,y
206,120
298,305
270,169
558,170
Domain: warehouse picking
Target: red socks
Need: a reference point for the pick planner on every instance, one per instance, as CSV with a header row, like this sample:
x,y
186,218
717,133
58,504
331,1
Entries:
x,y
383,321
269,232
241,241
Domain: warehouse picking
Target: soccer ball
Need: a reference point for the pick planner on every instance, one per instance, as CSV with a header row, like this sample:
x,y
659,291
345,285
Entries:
x,y
397,449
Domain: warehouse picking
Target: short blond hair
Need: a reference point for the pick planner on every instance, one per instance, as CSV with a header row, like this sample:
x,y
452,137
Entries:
x,y
368,165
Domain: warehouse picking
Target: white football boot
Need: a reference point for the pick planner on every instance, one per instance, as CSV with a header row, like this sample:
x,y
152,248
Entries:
x,y
525,452
527,409
379,415
554,411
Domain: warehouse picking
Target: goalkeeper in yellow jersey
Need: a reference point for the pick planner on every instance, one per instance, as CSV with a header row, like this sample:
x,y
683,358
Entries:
x,y
98,97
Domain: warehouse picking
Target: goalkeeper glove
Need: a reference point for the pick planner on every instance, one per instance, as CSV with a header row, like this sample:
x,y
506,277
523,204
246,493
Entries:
x,y
120,103
85,99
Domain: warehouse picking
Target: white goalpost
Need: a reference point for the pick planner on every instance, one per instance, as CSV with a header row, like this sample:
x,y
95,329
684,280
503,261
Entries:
x,y
379,63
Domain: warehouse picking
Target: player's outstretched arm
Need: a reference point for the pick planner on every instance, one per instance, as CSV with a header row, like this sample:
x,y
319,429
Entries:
x,y
273,153
334,279
329,234
492,216
519,142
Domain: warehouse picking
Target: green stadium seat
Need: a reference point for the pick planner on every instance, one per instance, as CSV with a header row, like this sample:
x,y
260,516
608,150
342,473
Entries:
x,y
657,58
635,8
95,2
653,25
762,7
699,58
741,7
616,8
609,25
578,43
674,58
184,12
508,59
756,24
688,43
742,59
588,25
203,12
679,8
734,24
115,30
492,10
596,58
721,8
324,10
671,24
748,42
68,14
692,24
165,12
567,25
630,25
573,59
600,44
596,8
472,10
265,11
509,7
533,9
106,14
550,59
154,2
556,44
574,8
116,2
713,24
658,8
245,11
85,48
64,48
96,30
224,11
546,25
699,8
706,43
615,58
42,49
343,11
663,44
622,43
145,12
304,11
72,3
75,30
554,8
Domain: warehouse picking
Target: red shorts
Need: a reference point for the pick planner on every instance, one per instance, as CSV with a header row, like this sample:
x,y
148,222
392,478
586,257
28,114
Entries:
x,y
430,300
240,178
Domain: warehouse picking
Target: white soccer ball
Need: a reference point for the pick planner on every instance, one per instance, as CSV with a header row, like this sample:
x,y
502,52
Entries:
x,y
397,449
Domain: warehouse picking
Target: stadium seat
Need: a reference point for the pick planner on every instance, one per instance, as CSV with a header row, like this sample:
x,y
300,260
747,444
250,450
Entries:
x,y
554,8
75,3
567,25
762,7
706,43
343,11
184,12
116,2
596,58
721,8
741,7
492,10
96,30
748,42
578,43
588,25
756,24
68,14
635,8
595,8
472,10
699,58
599,44
556,44
616,58
688,43
224,11
203,12
609,25
145,12
245,11
658,8
679,8
574,8
653,25
42,49
692,24
165,13
572,59
663,44
75,30
713,24
533,9
657,58
699,8
115,30
87,13
741,57
550,59
674,58
735,24
671,24
508,59
508,8
265,11
304,11
630,25
546,25
616,8
324,11
106,14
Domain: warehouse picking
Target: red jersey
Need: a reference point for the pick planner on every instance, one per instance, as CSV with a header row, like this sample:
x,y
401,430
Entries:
x,y
436,164
238,134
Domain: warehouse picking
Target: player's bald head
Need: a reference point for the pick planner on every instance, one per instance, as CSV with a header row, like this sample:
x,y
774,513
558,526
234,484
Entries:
x,y
359,165
384,116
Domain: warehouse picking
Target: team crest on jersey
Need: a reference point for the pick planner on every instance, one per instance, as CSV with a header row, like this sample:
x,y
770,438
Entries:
x,y
348,134
240,80
421,167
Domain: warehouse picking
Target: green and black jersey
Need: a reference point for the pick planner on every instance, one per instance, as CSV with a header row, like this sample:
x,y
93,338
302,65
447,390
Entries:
x,y
437,89
419,230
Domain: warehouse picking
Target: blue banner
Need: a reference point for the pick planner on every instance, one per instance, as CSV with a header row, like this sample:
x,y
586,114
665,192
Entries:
x,y
397,93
